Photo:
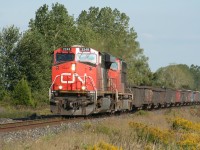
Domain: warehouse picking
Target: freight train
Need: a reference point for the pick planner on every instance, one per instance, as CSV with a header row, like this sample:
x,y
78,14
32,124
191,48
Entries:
x,y
86,81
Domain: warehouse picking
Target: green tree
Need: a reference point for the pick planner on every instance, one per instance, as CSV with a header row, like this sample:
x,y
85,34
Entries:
x,y
49,30
195,70
55,25
138,71
1,67
108,30
33,59
22,93
175,76
9,38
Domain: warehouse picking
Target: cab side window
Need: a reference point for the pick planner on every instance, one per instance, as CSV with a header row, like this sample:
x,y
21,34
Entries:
x,y
114,66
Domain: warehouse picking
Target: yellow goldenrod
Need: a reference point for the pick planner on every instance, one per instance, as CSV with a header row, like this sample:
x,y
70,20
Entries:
x,y
104,146
152,134
189,141
180,123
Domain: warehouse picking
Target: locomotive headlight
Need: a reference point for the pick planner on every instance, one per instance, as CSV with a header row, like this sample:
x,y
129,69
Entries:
x,y
73,67
83,88
60,87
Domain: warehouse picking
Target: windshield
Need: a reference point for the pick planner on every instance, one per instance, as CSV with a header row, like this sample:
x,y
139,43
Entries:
x,y
62,57
87,57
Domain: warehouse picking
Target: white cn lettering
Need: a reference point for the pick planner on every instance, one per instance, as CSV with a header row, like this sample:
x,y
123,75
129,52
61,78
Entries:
x,y
73,78
67,74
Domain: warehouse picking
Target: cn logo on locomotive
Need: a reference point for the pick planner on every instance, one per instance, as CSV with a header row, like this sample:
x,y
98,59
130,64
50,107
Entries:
x,y
73,78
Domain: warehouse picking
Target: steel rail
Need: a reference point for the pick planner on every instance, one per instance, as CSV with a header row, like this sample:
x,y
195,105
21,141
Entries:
x,y
29,124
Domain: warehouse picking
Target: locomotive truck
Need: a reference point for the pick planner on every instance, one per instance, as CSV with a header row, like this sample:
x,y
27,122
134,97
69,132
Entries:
x,y
86,81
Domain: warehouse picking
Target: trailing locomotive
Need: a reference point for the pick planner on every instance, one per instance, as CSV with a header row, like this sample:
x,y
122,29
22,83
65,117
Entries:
x,y
86,81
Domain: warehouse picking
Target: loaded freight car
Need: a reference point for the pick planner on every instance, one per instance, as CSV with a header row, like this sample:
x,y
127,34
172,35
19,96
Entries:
x,y
145,97
170,97
159,97
196,97
142,97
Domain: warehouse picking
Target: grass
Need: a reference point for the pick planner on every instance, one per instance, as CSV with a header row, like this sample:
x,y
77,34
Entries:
x,y
103,146
177,128
142,113
8,111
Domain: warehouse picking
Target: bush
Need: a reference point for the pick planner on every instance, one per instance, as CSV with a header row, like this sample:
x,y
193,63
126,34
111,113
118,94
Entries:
x,y
5,96
41,97
152,134
181,123
22,94
141,113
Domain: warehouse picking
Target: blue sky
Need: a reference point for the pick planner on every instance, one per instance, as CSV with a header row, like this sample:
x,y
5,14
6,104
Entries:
x,y
168,30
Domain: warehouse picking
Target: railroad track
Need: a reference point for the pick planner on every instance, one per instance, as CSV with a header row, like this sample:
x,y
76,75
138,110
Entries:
x,y
41,121
30,124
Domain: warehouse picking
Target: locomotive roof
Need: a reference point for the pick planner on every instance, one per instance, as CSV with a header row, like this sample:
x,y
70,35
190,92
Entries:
x,y
77,46
104,53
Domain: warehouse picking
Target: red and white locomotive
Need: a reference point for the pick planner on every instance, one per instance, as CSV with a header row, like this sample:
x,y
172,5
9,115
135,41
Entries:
x,y
86,81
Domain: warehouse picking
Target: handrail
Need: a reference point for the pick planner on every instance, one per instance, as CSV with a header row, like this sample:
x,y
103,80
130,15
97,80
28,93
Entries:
x,y
92,82
95,90
51,86
113,85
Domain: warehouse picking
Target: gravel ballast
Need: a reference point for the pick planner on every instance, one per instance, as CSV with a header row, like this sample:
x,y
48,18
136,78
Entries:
x,y
35,133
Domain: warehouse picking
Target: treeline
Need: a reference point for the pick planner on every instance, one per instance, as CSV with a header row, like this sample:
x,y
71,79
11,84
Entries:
x,y
178,77
25,58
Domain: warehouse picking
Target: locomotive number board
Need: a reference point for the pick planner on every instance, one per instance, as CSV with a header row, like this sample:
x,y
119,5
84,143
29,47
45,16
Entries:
x,y
84,49
66,49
